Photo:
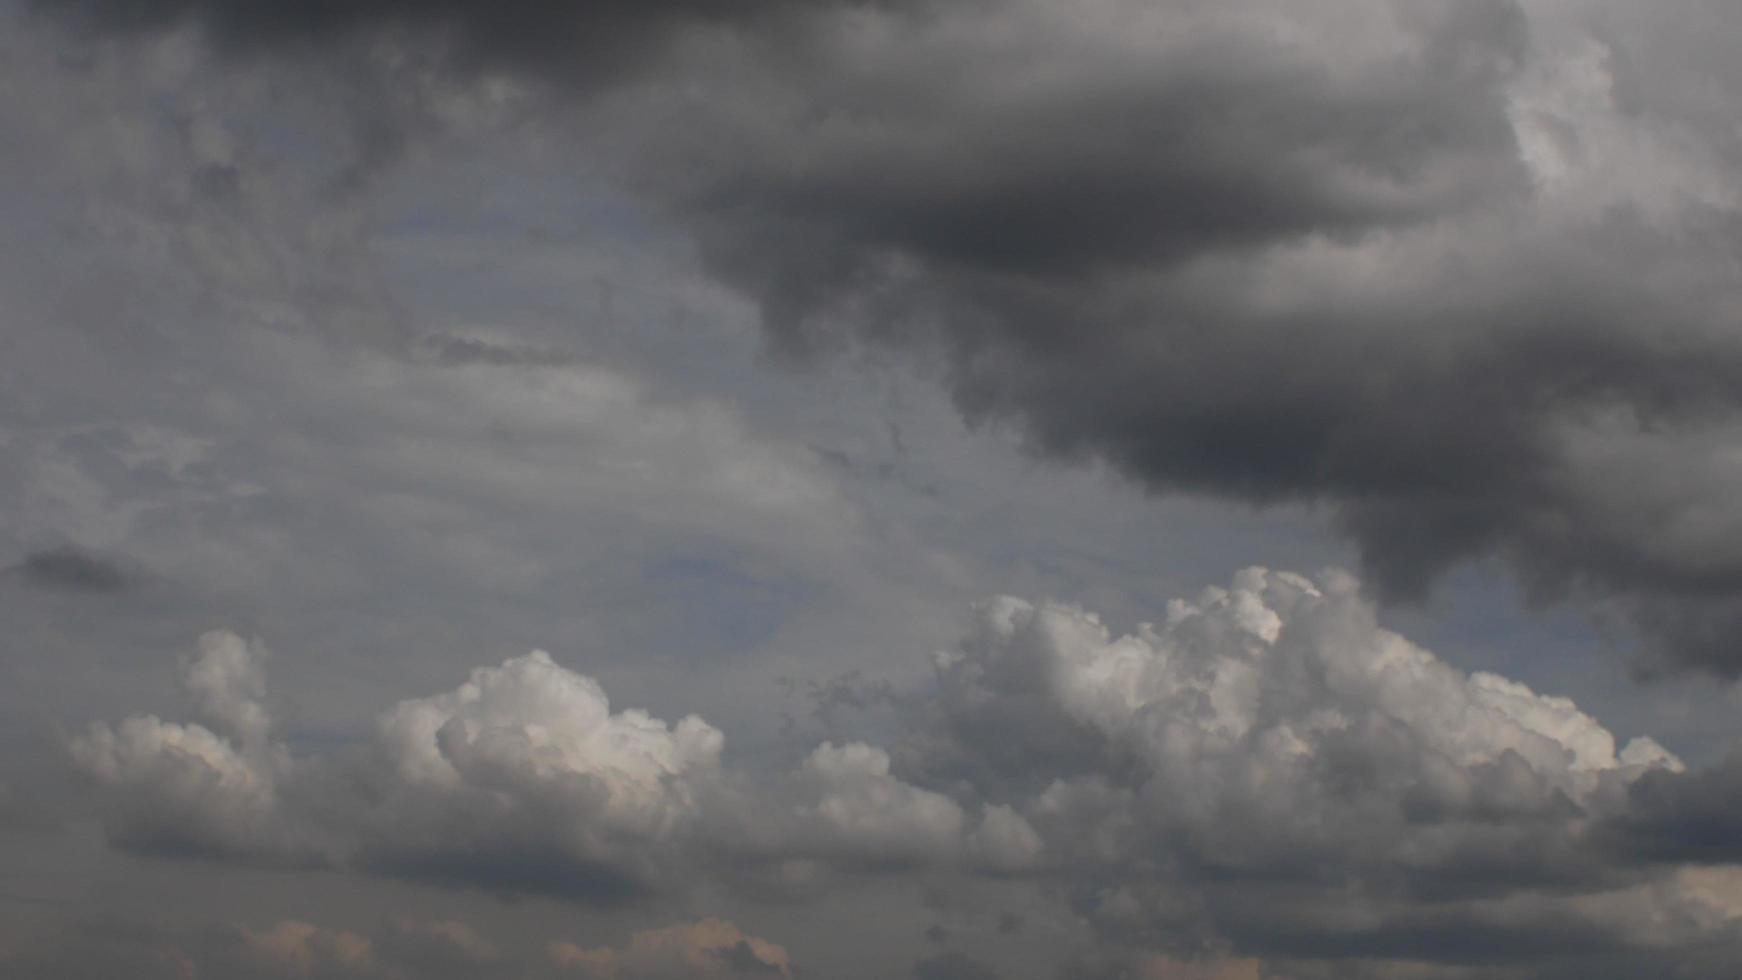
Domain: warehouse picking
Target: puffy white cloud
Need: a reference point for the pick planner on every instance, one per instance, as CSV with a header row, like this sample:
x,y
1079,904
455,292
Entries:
x,y
1272,715
186,786
532,719
864,810
227,682
527,759
531,723
524,779
1267,771
1268,753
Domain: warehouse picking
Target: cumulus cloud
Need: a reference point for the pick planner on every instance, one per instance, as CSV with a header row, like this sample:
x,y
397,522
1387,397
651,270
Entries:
x,y
526,763
1269,767
1265,770
199,788
523,779
1397,257
1270,725
1251,704
860,805
227,682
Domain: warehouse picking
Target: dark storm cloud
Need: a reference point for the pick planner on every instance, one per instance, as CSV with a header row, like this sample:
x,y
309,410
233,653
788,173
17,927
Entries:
x,y
1677,817
69,569
1257,254
505,872
1092,264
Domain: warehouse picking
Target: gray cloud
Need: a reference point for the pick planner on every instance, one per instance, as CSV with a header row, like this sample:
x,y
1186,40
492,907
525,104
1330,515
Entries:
x,y
393,950
952,966
707,948
1271,304
70,569
1683,817
1455,278
453,351
1397,258
585,44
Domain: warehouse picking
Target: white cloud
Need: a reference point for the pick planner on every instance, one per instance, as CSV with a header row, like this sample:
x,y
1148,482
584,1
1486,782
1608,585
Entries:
x,y
524,761
528,757
187,786
535,721
227,682
1247,699
863,810
1256,737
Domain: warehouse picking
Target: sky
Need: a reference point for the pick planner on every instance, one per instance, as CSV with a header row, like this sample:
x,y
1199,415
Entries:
x,y
862,489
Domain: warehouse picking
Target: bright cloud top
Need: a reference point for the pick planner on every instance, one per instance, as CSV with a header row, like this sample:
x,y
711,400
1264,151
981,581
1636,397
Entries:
x,y
1268,738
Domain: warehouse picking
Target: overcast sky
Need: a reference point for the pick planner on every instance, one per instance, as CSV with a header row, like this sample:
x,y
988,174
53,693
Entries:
x,y
863,489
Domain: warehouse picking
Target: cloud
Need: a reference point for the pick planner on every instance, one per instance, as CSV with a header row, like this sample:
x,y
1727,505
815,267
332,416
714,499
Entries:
x,y
526,764
861,805
70,569
582,45
1410,261
1265,772
1220,771
453,351
227,682
190,788
952,966
406,949
1459,276
1683,817
1167,968
301,948
1171,245
521,780
441,942
708,948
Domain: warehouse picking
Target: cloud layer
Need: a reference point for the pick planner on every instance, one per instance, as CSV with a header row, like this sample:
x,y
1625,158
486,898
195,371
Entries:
x,y
1265,772
400,949
1461,273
